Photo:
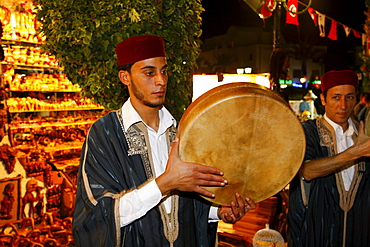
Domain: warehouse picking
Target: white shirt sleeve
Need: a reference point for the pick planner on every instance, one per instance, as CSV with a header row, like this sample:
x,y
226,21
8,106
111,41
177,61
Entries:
x,y
138,202
213,217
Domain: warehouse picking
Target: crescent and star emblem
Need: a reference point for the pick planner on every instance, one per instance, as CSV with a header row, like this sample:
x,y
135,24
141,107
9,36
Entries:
x,y
292,8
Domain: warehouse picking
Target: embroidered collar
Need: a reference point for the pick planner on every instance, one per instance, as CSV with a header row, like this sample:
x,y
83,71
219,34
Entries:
x,y
131,117
338,129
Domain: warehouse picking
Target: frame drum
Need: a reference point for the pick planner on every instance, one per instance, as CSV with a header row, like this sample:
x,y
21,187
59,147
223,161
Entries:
x,y
250,133
367,121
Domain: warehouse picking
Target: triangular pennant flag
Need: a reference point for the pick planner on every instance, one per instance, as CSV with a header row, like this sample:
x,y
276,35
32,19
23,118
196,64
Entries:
x,y
357,34
333,30
264,13
321,21
270,4
347,30
313,15
292,18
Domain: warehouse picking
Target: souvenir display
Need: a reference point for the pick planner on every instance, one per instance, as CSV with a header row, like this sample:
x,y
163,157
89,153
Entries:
x,y
43,124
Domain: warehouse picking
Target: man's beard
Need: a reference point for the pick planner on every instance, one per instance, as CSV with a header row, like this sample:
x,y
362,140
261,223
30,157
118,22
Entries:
x,y
140,96
152,105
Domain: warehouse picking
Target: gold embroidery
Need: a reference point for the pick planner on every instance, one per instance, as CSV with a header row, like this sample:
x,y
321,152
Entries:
x,y
346,198
138,142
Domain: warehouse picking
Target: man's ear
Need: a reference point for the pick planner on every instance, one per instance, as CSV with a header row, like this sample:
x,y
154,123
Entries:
x,y
124,76
323,101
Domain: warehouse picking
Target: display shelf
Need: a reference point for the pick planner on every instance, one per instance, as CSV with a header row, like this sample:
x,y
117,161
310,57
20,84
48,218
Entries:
x,y
46,125
72,109
33,67
57,148
17,42
75,146
50,103
67,164
48,120
29,56
46,109
45,91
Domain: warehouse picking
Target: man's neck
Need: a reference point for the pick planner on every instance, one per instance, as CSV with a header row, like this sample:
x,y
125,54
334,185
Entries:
x,y
344,126
150,115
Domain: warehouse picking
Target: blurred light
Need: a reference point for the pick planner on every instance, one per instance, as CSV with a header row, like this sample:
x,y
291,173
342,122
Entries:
x,y
285,82
203,83
240,71
247,70
303,79
283,86
297,85
263,80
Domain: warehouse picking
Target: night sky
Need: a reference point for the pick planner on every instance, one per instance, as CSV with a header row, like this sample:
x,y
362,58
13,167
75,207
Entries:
x,y
219,15
348,12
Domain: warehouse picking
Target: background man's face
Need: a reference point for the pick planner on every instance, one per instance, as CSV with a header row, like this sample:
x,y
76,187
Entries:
x,y
339,103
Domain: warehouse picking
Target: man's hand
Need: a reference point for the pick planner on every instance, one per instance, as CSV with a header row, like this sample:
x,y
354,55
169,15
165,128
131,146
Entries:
x,y
236,210
321,167
362,145
187,176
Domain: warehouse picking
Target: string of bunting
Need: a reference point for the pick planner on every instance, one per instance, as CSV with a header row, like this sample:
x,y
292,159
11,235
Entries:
x,y
318,18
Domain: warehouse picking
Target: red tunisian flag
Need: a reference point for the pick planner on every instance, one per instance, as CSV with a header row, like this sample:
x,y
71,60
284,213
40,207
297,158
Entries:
x,y
292,18
333,31
357,34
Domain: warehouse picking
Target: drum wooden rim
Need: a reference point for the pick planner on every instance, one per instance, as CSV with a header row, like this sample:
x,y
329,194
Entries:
x,y
367,122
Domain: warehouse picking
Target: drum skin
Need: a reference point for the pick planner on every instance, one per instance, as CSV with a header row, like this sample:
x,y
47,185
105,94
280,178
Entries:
x,y
250,133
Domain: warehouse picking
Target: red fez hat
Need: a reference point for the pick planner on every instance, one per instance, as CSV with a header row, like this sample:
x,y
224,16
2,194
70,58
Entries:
x,y
338,77
139,48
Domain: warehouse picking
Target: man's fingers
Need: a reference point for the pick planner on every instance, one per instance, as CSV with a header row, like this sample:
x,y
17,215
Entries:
x,y
250,204
175,146
208,169
204,192
231,217
239,200
209,179
361,127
